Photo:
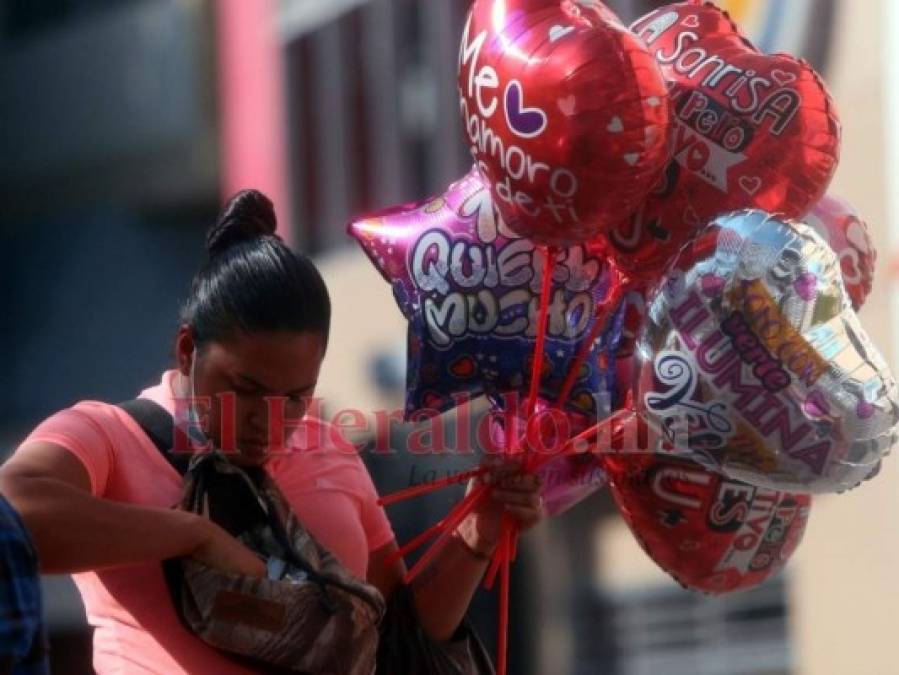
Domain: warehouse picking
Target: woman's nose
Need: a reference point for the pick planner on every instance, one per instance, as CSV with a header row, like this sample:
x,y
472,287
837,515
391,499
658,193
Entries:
x,y
256,420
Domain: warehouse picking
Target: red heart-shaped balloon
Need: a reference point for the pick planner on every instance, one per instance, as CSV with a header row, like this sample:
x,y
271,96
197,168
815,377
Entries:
x,y
710,533
751,130
566,114
843,228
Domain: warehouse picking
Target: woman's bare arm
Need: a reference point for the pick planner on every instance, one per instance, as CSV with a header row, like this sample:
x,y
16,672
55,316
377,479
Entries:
x,y
444,590
442,593
74,531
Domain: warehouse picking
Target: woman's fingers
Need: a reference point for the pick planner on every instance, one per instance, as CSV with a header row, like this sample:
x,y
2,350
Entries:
x,y
510,474
501,468
220,550
525,506
514,491
525,516
521,482
527,498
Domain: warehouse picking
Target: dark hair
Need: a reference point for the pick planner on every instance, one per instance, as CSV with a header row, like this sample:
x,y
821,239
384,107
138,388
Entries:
x,y
252,282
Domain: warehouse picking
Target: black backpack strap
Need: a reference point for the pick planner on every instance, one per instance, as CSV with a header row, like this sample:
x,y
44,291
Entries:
x,y
158,425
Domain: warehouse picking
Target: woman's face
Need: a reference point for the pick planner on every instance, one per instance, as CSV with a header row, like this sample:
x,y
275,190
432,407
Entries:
x,y
240,375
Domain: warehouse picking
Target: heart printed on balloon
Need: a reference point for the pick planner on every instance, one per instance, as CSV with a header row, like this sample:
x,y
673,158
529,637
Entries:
x,y
470,289
711,533
751,130
566,114
754,364
843,228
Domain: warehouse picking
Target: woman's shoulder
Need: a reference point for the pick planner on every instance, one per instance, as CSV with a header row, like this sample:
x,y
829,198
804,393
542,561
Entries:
x,y
101,416
92,431
80,416
91,427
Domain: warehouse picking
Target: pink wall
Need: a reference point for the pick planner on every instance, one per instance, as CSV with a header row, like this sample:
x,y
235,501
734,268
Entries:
x,y
252,103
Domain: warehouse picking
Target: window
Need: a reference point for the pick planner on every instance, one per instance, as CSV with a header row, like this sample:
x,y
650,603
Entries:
x,y
665,629
27,18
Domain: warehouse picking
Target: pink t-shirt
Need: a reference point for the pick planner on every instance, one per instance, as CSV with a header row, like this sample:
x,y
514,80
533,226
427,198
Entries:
x,y
136,628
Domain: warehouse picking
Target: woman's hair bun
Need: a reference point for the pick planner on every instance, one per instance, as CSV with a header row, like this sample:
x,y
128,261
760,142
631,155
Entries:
x,y
248,215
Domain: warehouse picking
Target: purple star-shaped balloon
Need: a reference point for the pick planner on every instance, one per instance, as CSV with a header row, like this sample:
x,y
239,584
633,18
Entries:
x,y
470,289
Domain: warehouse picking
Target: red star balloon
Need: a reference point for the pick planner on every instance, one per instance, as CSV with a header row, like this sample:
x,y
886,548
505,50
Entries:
x,y
751,130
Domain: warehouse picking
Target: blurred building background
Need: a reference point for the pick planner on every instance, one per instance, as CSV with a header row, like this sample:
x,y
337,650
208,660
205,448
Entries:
x,y
126,122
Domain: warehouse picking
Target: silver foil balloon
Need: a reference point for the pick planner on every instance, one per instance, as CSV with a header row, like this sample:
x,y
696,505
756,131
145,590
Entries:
x,y
753,363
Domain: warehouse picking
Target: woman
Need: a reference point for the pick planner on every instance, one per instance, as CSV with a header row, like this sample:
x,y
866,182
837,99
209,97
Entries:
x,y
96,494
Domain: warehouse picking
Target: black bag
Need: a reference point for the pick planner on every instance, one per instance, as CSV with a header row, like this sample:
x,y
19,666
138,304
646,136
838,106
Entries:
x,y
239,500
405,648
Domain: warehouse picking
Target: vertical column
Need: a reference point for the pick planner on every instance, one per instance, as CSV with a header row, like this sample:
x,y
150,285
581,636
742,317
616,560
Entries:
x,y
628,10
332,129
845,566
891,160
441,32
382,72
251,103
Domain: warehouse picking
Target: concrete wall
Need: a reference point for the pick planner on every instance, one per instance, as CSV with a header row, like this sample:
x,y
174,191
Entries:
x,y
845,571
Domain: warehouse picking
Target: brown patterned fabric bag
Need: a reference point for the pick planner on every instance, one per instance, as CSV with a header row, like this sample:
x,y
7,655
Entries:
x,y
310,615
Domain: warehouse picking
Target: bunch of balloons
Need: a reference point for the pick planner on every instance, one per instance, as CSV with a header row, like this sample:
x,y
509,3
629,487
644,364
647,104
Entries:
x,y
626,275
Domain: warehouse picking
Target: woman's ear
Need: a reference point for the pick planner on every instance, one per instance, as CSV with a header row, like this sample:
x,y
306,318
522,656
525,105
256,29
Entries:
x,y
184,348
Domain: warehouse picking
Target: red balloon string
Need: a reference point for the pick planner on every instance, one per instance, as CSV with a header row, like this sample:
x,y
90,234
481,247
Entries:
x,y
619,286
513,547
538,461
456,516
549,256
508,548
502,645
601,437
416,542
490,577
500,554
432,531
429,487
